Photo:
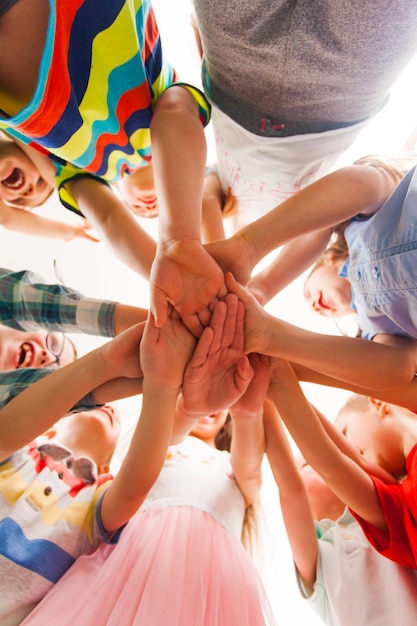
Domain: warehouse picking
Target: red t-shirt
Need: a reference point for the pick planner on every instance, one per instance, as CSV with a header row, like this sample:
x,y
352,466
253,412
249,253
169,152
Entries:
x,y
399,506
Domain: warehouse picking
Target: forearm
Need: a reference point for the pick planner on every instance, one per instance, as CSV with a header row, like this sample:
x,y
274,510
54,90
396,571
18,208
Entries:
x,y
179,159
247,451
353,361
211,219
327,202
37,408
183,421
115,224
405,395
145,457
295,507
344,476
126,316
116,389
294,258
27,223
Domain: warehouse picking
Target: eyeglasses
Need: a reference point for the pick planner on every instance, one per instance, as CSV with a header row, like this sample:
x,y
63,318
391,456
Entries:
x,y
55,343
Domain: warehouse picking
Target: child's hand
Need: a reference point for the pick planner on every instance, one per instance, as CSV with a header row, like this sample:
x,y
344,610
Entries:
x,y
218,374
80,232
256,319
186,276
252,401
232,256
164,352
281,371
121,355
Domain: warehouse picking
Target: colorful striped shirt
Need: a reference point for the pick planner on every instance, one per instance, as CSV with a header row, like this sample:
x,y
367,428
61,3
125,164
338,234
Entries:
x,y
101,74
49,516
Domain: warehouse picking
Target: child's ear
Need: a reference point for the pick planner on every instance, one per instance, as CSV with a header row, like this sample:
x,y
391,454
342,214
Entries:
x,y
380,406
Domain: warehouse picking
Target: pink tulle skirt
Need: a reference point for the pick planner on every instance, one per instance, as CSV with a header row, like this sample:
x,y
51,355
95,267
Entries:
x,y
173,566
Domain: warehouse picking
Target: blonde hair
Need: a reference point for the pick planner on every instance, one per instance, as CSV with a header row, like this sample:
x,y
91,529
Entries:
x,y
249,534
356,403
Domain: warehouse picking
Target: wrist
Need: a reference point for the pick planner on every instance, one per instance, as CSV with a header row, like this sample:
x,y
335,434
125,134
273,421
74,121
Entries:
x,y
246,416
159,387
187,413
170,241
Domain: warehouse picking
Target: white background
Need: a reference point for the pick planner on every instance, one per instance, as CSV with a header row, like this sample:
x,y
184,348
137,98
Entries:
x,y
93,270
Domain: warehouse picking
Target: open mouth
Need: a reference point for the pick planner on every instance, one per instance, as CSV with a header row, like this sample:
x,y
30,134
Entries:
x,y
323,304
25,356
15,180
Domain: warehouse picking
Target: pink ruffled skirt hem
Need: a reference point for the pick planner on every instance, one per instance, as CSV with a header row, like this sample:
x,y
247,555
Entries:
x,y
173,566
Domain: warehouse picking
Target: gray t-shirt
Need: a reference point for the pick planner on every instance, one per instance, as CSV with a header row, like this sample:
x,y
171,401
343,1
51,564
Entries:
x,y
312,65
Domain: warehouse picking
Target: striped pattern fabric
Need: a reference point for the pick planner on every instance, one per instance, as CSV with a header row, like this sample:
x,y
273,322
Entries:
x,y
101,75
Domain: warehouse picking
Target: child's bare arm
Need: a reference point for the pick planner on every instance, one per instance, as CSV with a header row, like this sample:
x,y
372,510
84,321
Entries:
x,y
248,441
183,273
343,475
295,507
403,395
294,258
211,218
126,315
326,203
372,365
115,224
164,354
28,223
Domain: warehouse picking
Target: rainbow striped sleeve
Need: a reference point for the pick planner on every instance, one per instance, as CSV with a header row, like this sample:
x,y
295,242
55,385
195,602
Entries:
x,y
101,75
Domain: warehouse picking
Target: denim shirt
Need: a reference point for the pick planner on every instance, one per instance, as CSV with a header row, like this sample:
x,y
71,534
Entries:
x,y
382,266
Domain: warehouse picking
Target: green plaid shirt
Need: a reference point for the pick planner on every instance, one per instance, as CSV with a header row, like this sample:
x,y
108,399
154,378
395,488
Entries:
x,y
27,303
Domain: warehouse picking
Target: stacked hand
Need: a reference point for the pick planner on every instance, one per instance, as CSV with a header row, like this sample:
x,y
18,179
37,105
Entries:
x,y
184,275
218,372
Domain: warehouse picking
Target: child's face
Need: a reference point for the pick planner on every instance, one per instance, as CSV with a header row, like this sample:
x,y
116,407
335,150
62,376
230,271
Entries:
x,y
20,349
20,182
138,191
378,437
208,427
328,293
90,433
323,502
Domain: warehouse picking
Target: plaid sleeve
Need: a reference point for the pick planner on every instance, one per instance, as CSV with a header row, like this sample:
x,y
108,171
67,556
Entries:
x,y
27,303
12,383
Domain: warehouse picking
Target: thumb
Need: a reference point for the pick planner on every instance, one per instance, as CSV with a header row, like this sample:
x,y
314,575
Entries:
x,y
159,307
244,374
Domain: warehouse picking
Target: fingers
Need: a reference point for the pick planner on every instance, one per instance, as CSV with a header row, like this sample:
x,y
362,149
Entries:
x,y
234,286
217,323
244,374
149,330
159,307
90,237
193,324
204,316
239,331
200,353
222,292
